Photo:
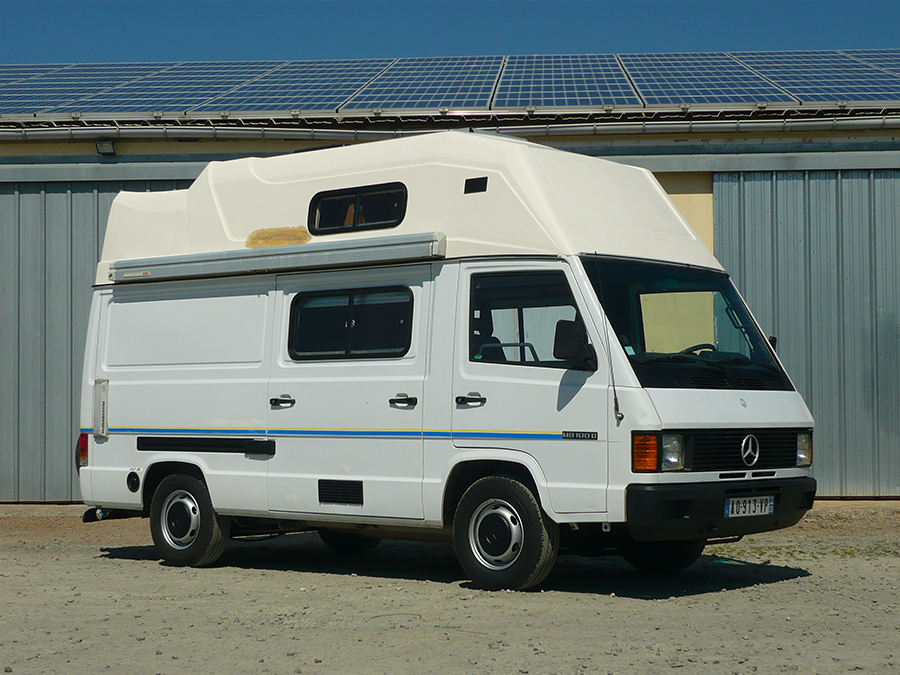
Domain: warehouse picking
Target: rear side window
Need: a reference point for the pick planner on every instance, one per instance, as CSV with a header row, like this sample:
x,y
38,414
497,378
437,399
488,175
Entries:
x,y
373,207
366,323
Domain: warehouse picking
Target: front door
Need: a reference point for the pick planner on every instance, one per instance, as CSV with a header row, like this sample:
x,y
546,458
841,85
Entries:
x,y
511,392
346,393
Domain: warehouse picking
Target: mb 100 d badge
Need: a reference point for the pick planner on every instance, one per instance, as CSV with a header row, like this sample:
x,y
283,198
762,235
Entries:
x,y
750,450
579,435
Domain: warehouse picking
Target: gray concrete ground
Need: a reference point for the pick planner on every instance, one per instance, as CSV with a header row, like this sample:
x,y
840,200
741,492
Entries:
x,y
822,597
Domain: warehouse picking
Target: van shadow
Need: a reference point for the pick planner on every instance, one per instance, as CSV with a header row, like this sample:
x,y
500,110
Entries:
x,y
710,574
400,560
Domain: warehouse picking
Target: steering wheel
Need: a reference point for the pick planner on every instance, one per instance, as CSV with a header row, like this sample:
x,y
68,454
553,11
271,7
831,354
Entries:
x,y
697,348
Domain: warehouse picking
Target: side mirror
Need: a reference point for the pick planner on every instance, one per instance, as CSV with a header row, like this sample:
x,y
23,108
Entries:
x,y
570,343
773,341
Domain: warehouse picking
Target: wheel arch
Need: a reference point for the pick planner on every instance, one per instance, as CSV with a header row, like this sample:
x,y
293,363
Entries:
x,y
465,473
158,471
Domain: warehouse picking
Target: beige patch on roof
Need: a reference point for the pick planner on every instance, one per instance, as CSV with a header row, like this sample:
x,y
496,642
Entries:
x,y
278,236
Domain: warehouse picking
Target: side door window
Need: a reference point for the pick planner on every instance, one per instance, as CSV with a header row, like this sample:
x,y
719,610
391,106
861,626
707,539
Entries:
x,y
366,323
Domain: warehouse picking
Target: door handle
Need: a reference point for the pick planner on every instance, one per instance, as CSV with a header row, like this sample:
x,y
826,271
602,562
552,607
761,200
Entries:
x,y
403,399
471,397
283,400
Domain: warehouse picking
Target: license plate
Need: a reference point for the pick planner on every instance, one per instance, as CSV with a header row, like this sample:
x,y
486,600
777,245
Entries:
x,y
738,507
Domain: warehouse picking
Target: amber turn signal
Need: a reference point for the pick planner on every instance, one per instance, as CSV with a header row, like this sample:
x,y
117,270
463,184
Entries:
x,y
645,452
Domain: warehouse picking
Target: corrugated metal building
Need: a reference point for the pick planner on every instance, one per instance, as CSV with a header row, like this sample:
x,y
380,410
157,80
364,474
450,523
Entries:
x,y
786,163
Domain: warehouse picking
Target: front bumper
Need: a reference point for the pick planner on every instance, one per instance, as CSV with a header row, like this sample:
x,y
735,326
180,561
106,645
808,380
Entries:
x,y
692,511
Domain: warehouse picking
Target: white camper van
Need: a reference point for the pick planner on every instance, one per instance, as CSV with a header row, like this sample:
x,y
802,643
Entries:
x,y
453,337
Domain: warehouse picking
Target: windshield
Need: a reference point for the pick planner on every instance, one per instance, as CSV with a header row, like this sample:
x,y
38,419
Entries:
x,y
683,327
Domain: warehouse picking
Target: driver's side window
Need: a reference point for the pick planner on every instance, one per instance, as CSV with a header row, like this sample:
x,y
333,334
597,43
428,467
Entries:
x,y
513,317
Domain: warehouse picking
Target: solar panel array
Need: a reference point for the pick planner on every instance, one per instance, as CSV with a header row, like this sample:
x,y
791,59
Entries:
x,y
477,83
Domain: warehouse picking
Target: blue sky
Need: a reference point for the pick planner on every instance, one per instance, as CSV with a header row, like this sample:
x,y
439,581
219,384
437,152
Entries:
x,y
88,31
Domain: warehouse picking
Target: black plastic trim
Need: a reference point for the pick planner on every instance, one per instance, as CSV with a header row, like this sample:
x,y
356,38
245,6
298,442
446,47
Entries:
x,y
244,446
474,185
341,492
694,511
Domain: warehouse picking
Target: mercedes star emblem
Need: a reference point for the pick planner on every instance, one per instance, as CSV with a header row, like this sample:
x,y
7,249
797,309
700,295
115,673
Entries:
x,y
750,450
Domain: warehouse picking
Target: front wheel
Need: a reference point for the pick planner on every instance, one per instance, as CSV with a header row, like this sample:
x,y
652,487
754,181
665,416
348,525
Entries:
x,y
662,556
502,537
186,530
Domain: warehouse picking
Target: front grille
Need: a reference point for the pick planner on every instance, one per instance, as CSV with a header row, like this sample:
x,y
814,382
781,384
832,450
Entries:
x,y
720,450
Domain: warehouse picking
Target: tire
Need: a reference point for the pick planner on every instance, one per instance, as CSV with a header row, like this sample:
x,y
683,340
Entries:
x,y
502,537
662,557
348,543
186,530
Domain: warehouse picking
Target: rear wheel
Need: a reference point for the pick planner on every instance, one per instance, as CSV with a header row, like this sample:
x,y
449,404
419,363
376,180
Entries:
x,y
502,537
662,556
186,530
348,543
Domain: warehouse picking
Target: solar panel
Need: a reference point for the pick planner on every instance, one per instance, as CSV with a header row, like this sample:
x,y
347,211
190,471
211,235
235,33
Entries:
x,y
446,82
563,81
18,73
53,89
174,88
300,85
821,76
888,59
698,78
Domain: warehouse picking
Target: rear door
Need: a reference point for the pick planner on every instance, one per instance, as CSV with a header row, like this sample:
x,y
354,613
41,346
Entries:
x,y
511,393
346,393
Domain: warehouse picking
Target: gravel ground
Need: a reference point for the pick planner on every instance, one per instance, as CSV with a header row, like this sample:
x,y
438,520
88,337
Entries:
x,y
822,597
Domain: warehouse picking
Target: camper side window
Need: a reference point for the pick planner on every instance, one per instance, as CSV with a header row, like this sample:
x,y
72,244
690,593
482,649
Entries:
x,y
373,207
365,323
513,318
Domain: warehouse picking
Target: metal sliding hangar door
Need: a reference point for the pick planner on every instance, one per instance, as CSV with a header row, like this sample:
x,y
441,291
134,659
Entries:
x,y
786,163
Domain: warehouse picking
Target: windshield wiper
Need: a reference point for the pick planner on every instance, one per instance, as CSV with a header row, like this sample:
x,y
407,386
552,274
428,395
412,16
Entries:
x,y
672,358
743,360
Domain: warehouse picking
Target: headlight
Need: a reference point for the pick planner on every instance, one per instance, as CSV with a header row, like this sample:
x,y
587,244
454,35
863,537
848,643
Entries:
x,y
804,449
673,452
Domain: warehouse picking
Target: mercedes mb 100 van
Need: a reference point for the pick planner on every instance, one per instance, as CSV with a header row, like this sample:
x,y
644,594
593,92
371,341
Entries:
x,y
452,337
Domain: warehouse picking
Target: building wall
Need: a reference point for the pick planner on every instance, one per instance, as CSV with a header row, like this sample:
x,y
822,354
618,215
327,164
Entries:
x,y
692,194
50,239
813,252
816,254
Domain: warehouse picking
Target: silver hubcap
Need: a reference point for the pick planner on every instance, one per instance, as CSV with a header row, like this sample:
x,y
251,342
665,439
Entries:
x,y
180,519
496,534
